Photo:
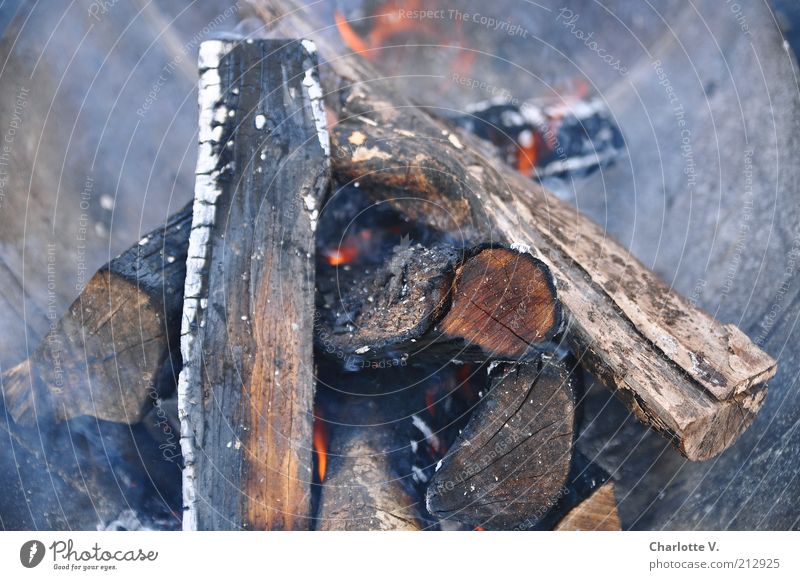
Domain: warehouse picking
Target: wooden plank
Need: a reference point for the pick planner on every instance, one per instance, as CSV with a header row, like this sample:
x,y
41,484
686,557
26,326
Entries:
x,y
246,391
596,513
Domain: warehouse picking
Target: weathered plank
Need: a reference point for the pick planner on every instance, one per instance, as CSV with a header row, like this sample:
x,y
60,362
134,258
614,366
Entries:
x,y
247,387
598,512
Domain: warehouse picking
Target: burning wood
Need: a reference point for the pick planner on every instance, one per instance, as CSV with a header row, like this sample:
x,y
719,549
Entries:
x,y
485,303
361,490
695,380
115,351
246,390
513,457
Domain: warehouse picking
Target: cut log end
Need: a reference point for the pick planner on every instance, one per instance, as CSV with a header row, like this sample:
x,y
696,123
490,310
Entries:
x,y
503,302
481,304
512,459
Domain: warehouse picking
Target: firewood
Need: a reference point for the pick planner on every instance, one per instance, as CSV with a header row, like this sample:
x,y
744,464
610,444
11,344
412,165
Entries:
x,y
115,351
484,303
596,513
695,380
511,461
361,490
246,389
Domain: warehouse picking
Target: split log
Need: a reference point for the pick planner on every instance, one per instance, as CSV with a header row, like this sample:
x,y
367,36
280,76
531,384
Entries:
x,y
246,389
510,463
116,349
695,380
484,303
361,489
596,513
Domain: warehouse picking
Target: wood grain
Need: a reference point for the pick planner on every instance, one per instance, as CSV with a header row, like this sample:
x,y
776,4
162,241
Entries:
x,y
247,388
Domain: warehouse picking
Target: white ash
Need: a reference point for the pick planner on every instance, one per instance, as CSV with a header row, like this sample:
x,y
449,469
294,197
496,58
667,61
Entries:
x,y
207,190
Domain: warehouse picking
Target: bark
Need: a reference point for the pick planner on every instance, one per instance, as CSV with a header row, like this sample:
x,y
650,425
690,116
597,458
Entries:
x,y
247,386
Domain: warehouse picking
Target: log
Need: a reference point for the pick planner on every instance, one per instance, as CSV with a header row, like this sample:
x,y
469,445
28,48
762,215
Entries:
x,y
478,304
361,489
247,386
596,513
511,462
115,351
693,379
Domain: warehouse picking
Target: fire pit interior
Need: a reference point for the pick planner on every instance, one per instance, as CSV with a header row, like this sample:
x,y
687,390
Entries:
x,y
412,266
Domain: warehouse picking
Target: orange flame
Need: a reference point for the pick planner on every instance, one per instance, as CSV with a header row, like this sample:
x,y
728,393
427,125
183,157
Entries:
x,y
320,446
480,529
344,254
387,24
526,156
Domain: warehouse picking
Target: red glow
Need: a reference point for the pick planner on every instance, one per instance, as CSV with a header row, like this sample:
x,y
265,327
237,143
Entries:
x,y
320,446
344,254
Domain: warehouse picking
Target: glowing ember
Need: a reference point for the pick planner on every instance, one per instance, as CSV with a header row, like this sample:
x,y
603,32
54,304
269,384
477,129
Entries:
x,y
344,254
320,446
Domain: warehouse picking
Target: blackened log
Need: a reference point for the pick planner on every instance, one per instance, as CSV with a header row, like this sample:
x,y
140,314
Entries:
x,y
510,464
115,351
480,304
361,489
247,387
693,379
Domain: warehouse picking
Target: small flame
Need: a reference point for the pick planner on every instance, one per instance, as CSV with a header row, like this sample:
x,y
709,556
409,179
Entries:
x,y
320,446
344,254
429,403
526,153
388,26
480,529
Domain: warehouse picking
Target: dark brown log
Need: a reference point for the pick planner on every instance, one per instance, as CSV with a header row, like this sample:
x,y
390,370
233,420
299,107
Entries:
x,y
480,304
247,386
115,351
598,512
510,463
695,380
361,490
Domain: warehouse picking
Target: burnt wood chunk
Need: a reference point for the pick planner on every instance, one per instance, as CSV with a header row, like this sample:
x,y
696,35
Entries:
x,y
598,512
116,350
247,386
510,463
478,304
361,490
697,381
